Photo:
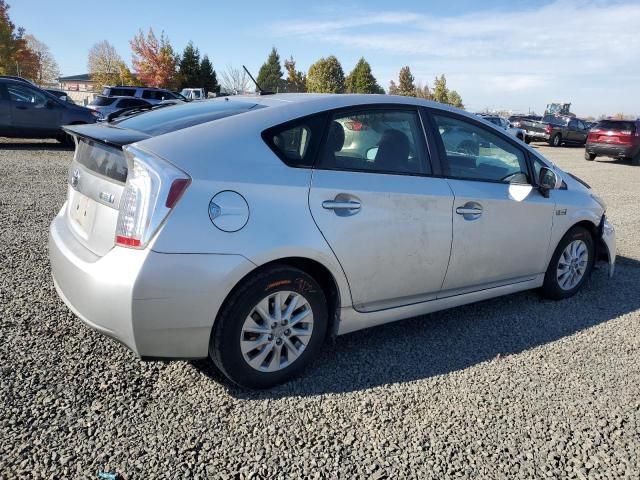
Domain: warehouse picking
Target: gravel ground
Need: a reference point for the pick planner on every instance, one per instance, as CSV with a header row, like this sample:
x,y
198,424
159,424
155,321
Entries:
x,y
516,387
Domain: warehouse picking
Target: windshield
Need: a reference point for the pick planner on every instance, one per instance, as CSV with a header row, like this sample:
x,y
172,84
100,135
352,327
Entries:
x,y
100,101
170,119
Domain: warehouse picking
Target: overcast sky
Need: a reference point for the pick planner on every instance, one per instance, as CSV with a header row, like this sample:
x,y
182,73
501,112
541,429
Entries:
x,y
506,54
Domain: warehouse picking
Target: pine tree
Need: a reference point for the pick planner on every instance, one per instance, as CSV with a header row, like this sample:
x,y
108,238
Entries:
x,y
405,84
440,91
189,68
393,88
208,77
296,80
361,80
270,74
326,76
455,99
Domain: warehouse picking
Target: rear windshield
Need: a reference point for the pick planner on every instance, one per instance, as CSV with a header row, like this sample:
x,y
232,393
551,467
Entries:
x,y
177,117
106,161
617,126
102,101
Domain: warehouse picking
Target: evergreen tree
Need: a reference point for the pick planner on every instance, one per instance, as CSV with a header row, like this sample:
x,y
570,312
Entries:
x,y
189,68
393,88
455,99
405,84
296,80
326,76
440,91
361,80
270,74
208,77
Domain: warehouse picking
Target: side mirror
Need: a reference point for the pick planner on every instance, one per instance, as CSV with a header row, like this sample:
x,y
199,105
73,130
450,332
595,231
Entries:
x,y
548,180
49,103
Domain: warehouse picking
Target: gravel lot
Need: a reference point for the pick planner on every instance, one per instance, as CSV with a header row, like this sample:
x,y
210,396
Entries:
x,y
515,387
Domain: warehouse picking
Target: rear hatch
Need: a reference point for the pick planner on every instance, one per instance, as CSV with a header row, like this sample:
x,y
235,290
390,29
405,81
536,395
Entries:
x,y
613,132
97,178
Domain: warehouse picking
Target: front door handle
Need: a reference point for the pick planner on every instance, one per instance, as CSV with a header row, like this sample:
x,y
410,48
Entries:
x,y
341,205
470,210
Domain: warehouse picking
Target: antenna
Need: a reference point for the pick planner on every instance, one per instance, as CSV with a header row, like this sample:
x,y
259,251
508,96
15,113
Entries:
x,y
260,90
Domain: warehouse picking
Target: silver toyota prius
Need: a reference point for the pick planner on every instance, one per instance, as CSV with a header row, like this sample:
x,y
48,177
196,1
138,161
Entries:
x,y
251,229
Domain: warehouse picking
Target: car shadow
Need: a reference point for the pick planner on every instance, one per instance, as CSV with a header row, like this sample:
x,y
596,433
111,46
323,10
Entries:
x,y
33,146
455,339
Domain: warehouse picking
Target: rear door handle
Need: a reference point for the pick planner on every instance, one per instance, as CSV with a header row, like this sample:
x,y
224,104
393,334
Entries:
x,y
341,205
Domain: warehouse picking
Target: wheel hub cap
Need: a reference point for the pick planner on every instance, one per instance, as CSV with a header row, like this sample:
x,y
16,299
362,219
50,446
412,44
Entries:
x,y
572,264
277,331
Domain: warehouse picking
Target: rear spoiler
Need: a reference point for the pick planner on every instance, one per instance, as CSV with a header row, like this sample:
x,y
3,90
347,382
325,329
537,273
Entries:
x,y
107,134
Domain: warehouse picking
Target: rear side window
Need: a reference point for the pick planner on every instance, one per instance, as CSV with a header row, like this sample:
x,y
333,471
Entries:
x,y
296,142
156,95
106,161
617,126
119,92
377,141
131,102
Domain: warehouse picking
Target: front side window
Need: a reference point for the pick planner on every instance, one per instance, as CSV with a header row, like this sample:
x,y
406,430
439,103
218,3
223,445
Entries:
x,y
25,94
379,141
478,154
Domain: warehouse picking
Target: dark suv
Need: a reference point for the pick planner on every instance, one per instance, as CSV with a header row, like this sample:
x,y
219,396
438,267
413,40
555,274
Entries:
x,y
616,139
27,111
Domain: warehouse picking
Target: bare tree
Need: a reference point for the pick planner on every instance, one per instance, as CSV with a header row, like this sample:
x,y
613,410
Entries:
x,y
104,64
234,80
47,68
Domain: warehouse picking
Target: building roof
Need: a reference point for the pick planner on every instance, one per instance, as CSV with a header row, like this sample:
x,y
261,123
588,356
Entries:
x,y
84,77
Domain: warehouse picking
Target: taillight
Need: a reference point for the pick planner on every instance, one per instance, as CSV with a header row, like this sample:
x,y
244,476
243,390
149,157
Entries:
x,y
548,129
153,188
355,125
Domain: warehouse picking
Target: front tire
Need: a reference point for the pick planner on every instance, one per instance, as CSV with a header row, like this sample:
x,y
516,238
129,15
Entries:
x,y
570,266
270,328
635,161
589,156
527,139
556,140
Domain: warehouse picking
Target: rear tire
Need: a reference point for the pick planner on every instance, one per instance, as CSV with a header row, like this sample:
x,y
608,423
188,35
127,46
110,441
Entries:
x,y
556,140
66,140
635,161
589,156
570,266
527,139
258,352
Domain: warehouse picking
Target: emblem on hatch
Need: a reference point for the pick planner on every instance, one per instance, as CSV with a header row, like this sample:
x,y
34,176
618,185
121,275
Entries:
x,y
75,178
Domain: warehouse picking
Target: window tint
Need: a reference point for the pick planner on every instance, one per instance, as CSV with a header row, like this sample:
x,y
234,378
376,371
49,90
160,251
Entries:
x,y
25,94
616,126
381,141
475,153
296,142
119,92
101,159
155,95
131,102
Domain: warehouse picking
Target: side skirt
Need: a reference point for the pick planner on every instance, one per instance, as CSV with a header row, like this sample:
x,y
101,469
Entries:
x,y
352,320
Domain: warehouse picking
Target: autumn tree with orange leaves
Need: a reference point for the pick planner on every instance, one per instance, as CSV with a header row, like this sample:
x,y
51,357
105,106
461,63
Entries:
x,y
154,60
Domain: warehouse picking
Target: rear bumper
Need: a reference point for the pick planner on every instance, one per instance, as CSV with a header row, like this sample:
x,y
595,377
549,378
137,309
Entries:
x,y
536,135
608,150
158,305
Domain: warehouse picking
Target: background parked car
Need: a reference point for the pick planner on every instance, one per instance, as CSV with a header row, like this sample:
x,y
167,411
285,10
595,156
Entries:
x,y
194,93
151,95
62,95
27,111
616,139
506,125
557,130
106,105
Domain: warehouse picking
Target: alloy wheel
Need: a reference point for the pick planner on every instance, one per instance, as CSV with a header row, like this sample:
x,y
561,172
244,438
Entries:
x,y
277,331
572,264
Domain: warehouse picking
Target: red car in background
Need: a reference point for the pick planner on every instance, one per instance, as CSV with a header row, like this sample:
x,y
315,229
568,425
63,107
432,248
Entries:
x,y
615,139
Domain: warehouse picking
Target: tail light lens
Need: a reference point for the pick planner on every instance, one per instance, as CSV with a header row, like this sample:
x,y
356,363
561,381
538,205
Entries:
x,y
355,125
153,188
548,129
